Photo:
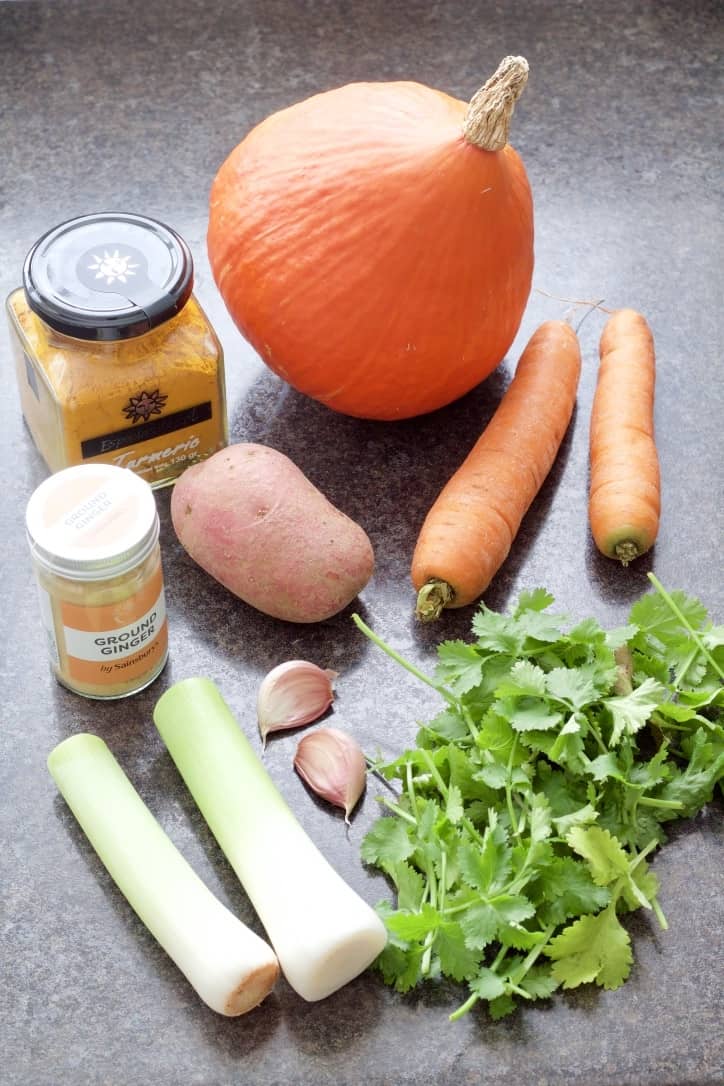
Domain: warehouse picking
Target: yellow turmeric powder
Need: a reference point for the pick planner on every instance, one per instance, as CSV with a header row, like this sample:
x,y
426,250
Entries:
x,y
153,402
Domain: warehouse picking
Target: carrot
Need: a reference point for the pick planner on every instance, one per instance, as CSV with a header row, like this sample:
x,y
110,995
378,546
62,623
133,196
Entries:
x,y
624,497
470,528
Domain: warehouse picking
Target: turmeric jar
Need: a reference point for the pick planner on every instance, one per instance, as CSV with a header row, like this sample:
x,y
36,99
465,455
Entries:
x,y
116,361
93,532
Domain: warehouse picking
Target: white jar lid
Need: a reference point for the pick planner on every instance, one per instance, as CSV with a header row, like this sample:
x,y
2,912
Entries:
x,y
92,521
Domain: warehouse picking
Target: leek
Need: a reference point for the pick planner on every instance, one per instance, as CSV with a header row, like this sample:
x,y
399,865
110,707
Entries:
x,y
324,934
230,966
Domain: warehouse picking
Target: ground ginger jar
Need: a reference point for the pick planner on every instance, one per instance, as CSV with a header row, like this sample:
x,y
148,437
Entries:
x,y
93,533
115,360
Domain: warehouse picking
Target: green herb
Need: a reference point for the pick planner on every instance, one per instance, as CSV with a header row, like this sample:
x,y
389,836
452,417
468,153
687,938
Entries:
x,y
525,814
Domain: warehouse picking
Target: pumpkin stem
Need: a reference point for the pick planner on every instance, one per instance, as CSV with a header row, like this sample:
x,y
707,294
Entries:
x,y
487,119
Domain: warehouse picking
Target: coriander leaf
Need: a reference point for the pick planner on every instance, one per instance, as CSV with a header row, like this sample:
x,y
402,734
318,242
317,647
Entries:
x,y
525,678
412,927
594,948
540,628
567,886
588,632
575,686
429,844
615,639
539,818
653,615
567,748
462,774
528,713
386,843
603,853
629,712
501,1007
410,886
521,938
400,968
482,921
447,725
454,807
648,774
496,632
537,599
487,984
641,887
674,710
713,638
605,766
694,786
486,867
459,666
497,737
563,792
456,959
582,817
494,775
539,982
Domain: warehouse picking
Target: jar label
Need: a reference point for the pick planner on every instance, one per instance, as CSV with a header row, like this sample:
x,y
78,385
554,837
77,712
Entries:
x,y
115,643
107,444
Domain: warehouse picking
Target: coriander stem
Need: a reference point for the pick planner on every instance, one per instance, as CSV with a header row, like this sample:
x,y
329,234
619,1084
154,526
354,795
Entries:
x,y
396,809
687,664
499,957
410,785
597,736
668,804
642,854
442,691
469,721
508,789
685,622
530,959
434,772
430,937
464,1008
658,911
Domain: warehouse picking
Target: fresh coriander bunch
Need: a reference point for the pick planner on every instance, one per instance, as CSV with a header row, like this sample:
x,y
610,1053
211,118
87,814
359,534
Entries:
x,y
525,814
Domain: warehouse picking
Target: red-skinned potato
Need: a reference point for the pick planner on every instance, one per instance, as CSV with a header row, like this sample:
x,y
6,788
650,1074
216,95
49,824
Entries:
x,y
253,521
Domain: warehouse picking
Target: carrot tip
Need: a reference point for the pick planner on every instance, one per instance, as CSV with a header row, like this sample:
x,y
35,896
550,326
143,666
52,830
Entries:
x,y
626,551
432,599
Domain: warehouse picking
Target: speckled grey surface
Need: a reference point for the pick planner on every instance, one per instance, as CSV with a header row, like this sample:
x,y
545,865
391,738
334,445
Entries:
x,y
133,105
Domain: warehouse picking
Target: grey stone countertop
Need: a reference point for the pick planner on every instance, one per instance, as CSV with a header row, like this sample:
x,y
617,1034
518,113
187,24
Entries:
x,y
133,105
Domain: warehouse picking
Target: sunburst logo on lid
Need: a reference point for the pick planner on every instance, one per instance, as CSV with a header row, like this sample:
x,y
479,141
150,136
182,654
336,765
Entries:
x,y
113,266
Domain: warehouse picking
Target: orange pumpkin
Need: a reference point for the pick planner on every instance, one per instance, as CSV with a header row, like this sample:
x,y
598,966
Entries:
x,y
374,243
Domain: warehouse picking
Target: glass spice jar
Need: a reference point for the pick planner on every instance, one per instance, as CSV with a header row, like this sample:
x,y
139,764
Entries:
x,y
116,362
93,533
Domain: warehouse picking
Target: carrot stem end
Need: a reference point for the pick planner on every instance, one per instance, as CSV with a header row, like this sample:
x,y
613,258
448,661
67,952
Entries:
x,y
626,551
432,599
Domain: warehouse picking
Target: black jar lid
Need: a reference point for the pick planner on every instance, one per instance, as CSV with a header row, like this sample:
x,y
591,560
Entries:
x,y
108,276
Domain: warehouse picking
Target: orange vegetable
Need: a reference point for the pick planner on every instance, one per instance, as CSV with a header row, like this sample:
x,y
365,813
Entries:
x,y
625,496
470,528
374,243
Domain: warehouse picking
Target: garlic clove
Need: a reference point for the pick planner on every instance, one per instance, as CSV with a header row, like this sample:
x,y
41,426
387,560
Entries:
x,y
333,765
292,694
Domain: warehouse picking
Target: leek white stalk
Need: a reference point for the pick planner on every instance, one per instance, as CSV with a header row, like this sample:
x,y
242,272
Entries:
x,y
230,966
324,934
